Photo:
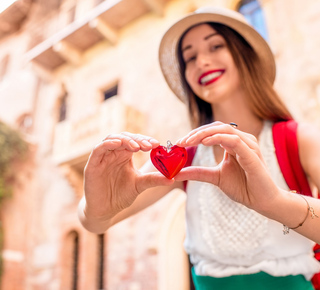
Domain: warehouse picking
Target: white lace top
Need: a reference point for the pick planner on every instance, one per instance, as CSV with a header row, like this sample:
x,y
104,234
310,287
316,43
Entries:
x,y
225,238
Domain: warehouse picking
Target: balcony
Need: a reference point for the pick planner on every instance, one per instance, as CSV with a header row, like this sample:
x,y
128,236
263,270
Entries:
x,y
103,22
75,139
12,18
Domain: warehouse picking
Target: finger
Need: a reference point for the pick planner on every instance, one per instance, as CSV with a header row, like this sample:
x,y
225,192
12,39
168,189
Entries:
x,y
123,141
132,142
247,158
197,132
204,174
250,160
206,136
182,141
215,140
108,146
100,150
211,130
119,144
152,179
146,143
111,144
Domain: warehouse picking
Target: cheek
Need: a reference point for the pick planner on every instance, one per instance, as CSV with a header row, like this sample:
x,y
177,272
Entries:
x,y
236,77
192,82
190,78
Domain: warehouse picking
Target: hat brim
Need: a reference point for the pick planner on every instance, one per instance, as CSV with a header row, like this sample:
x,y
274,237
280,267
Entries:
x,y
169,45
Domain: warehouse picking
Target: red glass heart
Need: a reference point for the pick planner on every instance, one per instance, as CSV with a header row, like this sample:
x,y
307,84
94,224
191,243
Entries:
x,y
169,160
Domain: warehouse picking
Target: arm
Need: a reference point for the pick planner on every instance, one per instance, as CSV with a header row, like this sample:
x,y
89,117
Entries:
x,y
244,177
291,210
309,145
113,188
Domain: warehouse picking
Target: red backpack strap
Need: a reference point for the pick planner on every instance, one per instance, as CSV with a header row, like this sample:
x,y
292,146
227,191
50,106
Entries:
x,y
191,152
286,145
287,152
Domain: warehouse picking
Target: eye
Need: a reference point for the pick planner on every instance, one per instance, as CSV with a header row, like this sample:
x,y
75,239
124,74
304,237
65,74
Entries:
x,y
216,47
190,59
189,56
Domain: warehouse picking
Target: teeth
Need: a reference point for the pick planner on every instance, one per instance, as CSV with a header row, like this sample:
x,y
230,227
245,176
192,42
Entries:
x,y
210,77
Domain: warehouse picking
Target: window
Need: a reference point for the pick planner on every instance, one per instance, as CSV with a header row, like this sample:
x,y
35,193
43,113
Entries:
x,y
56,4
49,5
25,123
68,11
97,2
63,107
70,261
4,66
36,38
75,256
252,11
71,14
101,261
110,92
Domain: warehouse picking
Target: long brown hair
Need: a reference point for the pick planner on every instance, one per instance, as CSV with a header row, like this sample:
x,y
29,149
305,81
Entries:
x,y
264,102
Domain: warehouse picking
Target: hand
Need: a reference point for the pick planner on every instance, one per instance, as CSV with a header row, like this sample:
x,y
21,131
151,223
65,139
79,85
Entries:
x,y
242,174
111,182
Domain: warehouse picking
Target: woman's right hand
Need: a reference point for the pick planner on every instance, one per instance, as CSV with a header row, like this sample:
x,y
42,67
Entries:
x,y
111,182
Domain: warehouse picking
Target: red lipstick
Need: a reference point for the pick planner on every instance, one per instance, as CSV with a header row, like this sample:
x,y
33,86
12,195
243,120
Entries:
x,y
210,77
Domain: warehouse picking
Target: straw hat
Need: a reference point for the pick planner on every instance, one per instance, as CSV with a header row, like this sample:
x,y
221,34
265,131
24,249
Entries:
x,y
169,44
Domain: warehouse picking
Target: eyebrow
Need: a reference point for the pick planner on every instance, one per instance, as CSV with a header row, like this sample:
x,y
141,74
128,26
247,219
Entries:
x,y
210,35
206,38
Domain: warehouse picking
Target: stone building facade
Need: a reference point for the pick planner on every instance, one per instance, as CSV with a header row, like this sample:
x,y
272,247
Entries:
x,y
73,71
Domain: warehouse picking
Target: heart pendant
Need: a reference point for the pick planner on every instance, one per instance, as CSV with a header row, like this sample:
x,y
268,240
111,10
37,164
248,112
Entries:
x,y
169,160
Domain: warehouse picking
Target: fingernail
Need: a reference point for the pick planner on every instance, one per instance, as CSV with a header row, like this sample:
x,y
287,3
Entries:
x,y
190,139
146,143
134,144
182,141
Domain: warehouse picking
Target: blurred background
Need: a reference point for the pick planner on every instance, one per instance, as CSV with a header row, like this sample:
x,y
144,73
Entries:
x,y
73,71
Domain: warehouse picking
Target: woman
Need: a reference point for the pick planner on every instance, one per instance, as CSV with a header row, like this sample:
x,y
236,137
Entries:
x,y
223,70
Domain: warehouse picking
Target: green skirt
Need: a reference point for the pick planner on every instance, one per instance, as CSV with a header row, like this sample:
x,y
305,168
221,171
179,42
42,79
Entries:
x,y
258,281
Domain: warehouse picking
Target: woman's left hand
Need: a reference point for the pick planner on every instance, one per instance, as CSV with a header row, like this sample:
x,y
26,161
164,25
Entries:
x,y
242,174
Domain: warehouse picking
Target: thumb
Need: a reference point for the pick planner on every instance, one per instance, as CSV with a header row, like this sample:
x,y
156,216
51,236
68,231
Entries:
x,y
204,174
152,179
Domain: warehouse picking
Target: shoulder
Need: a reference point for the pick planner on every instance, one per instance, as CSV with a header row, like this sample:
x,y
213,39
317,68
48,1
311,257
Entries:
x,y
308,136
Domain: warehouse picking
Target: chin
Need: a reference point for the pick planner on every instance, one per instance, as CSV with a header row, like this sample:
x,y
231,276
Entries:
x,y
213,98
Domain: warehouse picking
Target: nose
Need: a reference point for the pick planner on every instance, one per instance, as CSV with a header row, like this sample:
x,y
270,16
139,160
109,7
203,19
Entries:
x,y
203,59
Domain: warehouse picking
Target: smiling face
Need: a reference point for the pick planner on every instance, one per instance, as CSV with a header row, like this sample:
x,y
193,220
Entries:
x,y
209,67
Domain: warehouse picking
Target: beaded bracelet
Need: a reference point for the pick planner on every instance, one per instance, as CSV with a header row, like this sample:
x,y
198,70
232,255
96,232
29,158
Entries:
x,y
310,209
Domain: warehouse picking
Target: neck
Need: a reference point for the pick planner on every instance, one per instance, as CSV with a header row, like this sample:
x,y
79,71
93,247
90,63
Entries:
x,y
238,112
